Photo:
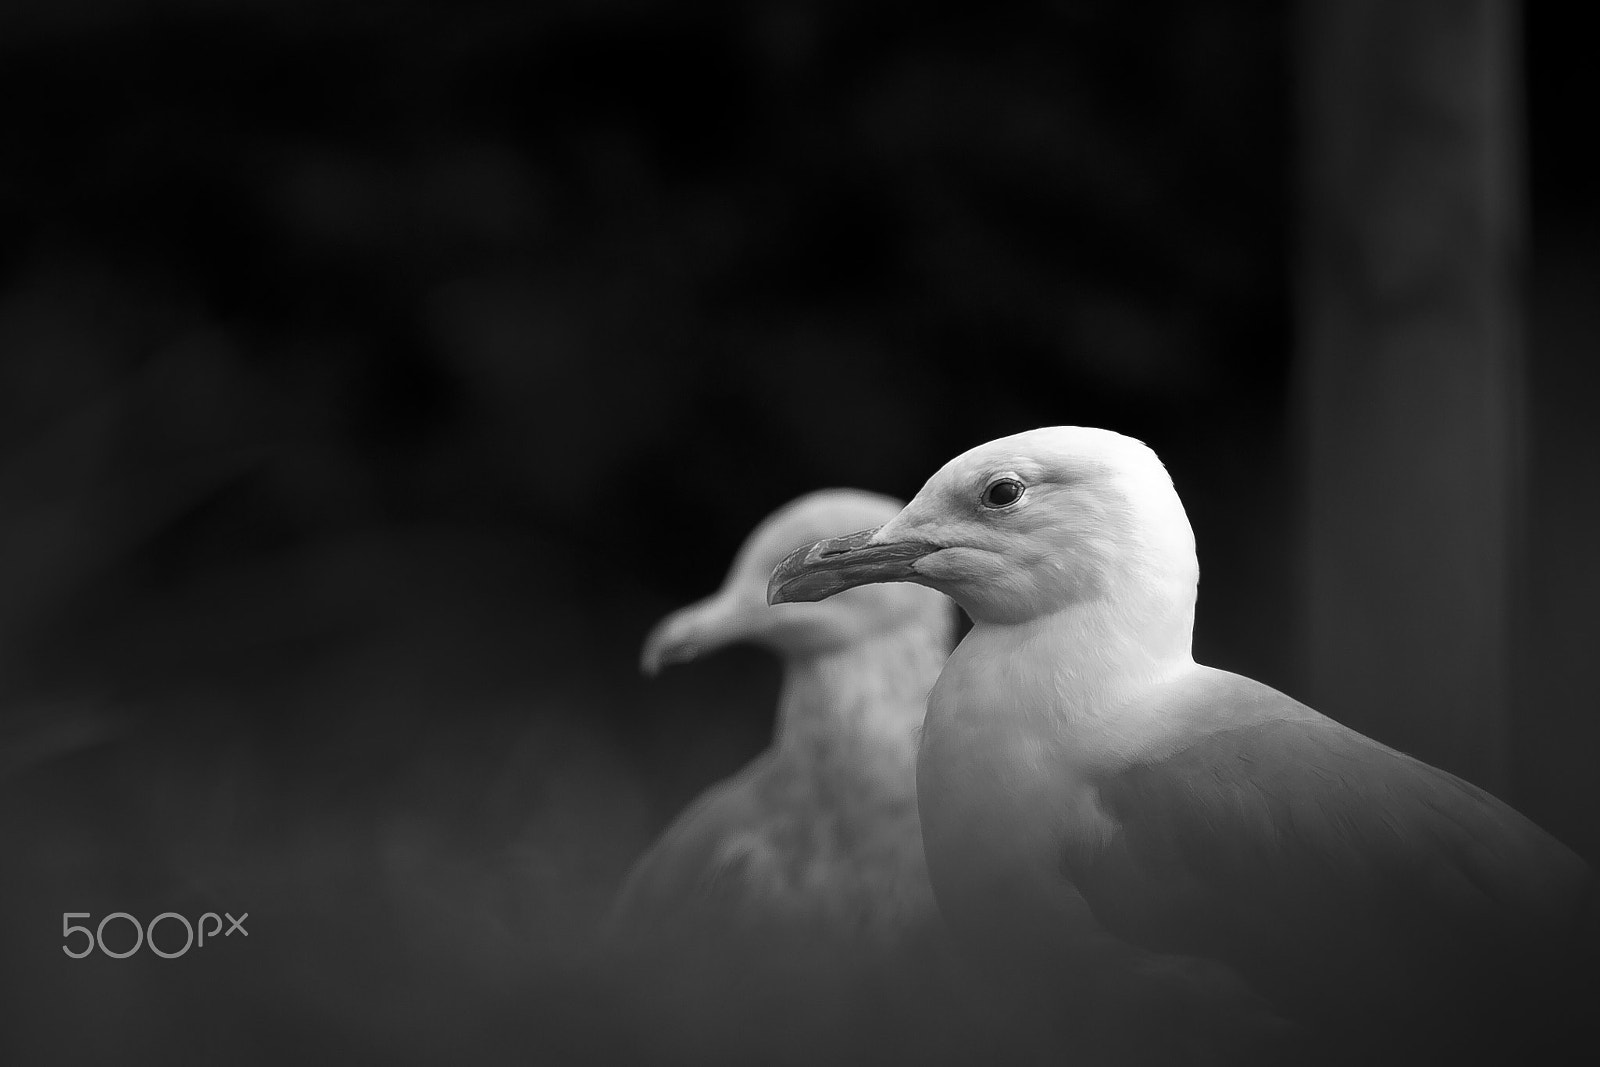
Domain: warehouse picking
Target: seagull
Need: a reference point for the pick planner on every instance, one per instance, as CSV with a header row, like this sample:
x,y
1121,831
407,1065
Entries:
x,y
1073,751
789,905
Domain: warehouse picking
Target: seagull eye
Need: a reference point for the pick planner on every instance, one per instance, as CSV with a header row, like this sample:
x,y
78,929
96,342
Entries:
x,y
1002,493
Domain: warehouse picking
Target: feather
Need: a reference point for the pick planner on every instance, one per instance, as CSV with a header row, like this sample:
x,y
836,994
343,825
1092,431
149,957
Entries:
x,y
1075,757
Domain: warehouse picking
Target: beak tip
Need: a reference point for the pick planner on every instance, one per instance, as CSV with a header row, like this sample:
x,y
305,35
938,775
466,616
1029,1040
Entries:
x,y
655,654
657,658
650,660
780,586
787,592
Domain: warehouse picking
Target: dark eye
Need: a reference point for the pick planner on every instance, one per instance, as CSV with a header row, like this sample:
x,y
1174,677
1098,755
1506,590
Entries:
x,y
1002,493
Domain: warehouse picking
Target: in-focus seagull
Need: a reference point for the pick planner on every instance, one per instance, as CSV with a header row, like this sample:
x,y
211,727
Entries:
x,y
1074,750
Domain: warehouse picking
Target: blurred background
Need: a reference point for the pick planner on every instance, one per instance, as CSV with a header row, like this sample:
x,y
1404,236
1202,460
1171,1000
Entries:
x,y
372,377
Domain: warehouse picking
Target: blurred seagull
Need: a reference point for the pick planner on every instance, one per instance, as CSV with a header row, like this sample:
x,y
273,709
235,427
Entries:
x,y
789,905
1072,741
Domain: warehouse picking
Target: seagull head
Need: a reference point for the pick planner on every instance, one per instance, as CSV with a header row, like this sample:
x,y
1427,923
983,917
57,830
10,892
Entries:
x,y
739,611
1021,528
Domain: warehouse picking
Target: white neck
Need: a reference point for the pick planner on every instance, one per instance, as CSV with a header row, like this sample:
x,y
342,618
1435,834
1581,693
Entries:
x,y
1076,668
870,695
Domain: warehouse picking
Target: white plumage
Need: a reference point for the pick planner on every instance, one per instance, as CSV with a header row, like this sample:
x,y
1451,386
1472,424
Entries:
x,y
787,912
1074,751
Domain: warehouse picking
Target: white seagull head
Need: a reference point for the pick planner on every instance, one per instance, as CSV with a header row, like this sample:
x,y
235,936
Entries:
x,y
738,611
1022,528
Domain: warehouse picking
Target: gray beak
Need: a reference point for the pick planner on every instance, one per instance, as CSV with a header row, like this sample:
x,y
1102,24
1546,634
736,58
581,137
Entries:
x,y
831,566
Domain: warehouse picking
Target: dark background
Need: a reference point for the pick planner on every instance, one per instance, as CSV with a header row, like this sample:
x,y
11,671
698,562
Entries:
x,y
372,377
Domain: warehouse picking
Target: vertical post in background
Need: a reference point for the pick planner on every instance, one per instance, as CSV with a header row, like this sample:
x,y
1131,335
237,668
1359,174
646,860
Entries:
x,y
1408,369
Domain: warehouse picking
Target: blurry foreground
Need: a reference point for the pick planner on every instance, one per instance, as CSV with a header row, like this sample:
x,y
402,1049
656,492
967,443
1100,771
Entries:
x,y
411,782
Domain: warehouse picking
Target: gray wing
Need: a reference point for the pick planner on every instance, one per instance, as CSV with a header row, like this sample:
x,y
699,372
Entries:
x,y
696,874
1336,874
732,954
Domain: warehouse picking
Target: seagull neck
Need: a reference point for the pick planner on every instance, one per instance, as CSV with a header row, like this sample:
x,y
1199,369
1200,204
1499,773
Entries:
x,y
1106,646
871,693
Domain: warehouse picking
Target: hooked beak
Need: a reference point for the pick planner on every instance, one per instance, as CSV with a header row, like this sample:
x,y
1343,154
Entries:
x,y
818,571
685,635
